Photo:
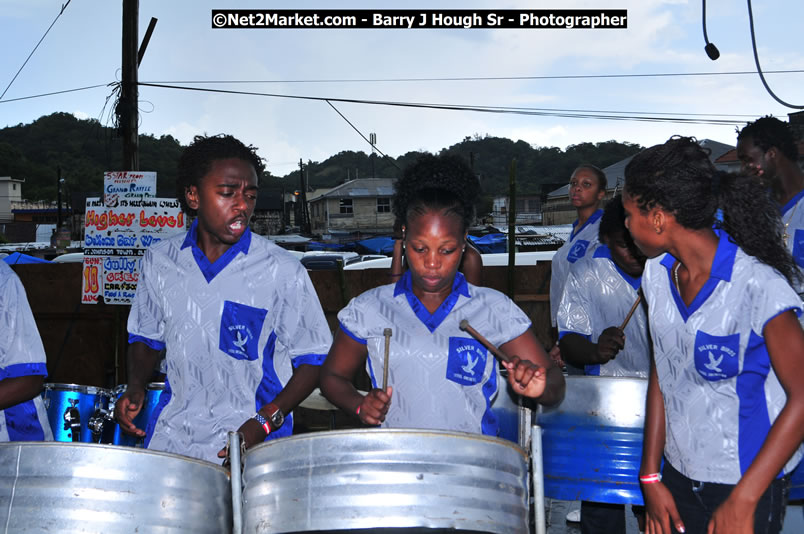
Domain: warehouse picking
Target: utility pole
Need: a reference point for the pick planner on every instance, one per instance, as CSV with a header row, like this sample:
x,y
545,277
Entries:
x,y
127,106
127,111
305,216
58,198
373,141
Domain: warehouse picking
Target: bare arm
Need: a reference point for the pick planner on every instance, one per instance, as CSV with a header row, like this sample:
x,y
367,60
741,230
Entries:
x,y
472,265
19,389
579,351
344,359
532,373
660,506
141,360
298,388
785,341
397,261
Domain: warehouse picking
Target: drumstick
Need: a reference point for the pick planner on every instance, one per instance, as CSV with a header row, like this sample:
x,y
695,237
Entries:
x,y
631,312
387,334
464,325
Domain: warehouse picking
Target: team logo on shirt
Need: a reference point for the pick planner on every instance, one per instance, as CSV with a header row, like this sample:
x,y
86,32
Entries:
x,y
717,357
798,247
577,251
466,361
240,330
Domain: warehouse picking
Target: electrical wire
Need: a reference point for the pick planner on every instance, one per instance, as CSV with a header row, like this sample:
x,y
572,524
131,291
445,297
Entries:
x,y
55,93
373,146
490,78
759,68
583,114
63,7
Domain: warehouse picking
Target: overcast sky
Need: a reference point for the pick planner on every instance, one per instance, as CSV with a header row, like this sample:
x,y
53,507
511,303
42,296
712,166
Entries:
x,y
663,37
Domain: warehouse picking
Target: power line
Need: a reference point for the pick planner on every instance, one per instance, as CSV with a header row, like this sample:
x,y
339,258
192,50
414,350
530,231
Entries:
x,y
55,93
63,7
373,146
489,78
582,114
756,60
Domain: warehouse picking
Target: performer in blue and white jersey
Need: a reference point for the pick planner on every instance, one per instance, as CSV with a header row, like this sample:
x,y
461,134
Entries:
x,y
587,188
712,362
599,293
23,365
438,376
432,362
726,391
768,152
241,323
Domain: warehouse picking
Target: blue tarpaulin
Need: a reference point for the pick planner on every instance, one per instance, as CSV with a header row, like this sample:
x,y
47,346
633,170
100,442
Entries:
x,y
315,245
18,257
376,245
490,243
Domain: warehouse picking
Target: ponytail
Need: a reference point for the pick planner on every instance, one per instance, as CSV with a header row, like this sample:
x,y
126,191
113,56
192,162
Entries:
x,y
753,221
679,177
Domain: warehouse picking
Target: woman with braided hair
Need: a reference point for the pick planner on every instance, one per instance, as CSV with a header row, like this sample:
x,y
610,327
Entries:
x,y
725,403
439,376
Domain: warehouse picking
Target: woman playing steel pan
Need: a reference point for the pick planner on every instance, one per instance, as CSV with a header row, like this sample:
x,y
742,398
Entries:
x,y
725,402
439,376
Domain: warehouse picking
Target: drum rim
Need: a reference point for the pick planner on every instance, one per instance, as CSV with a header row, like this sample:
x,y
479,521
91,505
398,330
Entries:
x,y
80,388
391,431
108,446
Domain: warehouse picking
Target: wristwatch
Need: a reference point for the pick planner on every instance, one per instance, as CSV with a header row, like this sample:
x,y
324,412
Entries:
x,y
274,421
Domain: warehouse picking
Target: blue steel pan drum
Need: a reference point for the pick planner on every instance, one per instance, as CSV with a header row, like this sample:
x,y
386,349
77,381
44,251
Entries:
x,y
153,392
71,407
797,483
592,441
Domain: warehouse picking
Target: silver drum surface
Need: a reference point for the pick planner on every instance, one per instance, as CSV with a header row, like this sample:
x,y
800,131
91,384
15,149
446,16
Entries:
x,y
84,487
385,479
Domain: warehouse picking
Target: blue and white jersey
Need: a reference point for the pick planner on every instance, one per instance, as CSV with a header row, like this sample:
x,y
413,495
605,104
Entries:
x,y
442,377
720,392
21,354
234,331
582,241
793,219
597,295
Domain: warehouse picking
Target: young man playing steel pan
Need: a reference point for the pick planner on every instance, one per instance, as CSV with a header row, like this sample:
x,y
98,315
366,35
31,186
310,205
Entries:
x,y
242,325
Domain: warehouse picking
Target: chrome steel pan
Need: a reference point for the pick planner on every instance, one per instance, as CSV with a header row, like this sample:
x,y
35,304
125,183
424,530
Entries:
x,y
385,479
82,487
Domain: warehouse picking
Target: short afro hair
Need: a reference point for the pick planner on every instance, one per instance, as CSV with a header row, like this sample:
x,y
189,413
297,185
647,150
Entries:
x,y
442,182
602,182
197,158
767,132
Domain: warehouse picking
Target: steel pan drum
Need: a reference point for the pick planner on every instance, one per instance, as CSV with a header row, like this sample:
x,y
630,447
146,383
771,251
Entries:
x,y
153,392
592,441
86,487
388,480
797,483
70,407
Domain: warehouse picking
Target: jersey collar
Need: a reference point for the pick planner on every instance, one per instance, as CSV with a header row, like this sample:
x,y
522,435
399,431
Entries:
x,y
432,321
603,251
591,220
722,267
211,270
792,202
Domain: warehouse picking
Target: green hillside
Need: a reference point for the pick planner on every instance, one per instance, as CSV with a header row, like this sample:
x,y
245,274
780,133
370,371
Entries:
x,y
84,149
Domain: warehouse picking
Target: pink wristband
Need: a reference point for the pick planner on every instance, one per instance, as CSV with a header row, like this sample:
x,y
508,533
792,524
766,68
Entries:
x,y
651,478
358,410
